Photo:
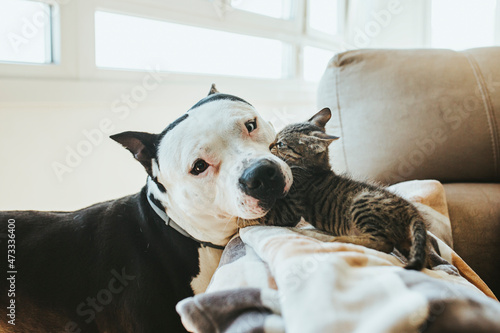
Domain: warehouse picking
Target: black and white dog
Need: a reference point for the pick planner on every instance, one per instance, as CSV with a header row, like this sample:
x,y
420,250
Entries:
x,y
122,265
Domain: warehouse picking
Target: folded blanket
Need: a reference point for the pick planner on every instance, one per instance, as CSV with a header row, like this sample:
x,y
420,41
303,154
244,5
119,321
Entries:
x,y
272,279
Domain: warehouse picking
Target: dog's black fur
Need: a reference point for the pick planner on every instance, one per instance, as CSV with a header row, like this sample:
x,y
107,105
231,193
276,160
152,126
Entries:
x,y
113,267
64,259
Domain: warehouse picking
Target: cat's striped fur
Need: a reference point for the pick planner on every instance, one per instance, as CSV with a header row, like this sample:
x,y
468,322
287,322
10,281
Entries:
x,y
355,212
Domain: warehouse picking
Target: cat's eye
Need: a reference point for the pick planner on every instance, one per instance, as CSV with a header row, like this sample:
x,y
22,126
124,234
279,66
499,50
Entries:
x,y
280,144
199,166
251,125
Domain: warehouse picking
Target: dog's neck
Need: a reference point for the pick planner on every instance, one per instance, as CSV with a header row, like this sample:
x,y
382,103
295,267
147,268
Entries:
x,y
202,227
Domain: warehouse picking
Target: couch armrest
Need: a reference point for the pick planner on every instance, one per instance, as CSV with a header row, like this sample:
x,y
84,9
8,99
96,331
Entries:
x,y
475,222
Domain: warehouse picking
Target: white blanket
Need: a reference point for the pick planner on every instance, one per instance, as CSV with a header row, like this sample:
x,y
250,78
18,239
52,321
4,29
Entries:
x,y
272,279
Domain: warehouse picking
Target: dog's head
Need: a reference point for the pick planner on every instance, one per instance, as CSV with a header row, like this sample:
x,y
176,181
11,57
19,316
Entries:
x,y
212,165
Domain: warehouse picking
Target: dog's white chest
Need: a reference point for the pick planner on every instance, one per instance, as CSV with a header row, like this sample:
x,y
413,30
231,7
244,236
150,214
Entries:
x,y
209,261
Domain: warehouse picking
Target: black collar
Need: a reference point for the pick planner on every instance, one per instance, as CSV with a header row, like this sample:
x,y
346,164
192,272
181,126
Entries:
x,y
160,211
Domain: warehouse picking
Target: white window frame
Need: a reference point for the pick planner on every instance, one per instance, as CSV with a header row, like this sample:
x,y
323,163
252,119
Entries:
x,y
63,49
74,37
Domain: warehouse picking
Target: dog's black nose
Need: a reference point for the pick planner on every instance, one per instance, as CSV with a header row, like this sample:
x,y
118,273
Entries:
x,y
264,181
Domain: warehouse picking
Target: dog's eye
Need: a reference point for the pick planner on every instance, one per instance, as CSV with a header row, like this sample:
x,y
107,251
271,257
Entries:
x,y
199,167
251,125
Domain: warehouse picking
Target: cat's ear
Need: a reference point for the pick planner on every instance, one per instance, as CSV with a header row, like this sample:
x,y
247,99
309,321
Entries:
x,y
141,145
323,136
213,90
321,141
321,118
318,141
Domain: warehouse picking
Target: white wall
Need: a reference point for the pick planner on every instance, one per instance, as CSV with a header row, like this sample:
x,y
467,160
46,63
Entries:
x,y
39,119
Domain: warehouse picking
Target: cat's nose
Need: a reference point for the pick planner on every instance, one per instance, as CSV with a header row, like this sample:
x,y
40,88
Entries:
x,y
264,181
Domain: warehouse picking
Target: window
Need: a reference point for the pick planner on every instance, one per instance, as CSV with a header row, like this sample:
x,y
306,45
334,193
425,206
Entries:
x,y
258,39
26,30
264,39
271,37
323,16
315,62
463,24
129,42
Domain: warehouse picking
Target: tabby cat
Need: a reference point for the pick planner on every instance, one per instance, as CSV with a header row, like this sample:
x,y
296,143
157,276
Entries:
x,y
355,212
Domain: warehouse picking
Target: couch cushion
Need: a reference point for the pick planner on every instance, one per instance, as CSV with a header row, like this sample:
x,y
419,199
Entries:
x,y
475,222
415,114
429,197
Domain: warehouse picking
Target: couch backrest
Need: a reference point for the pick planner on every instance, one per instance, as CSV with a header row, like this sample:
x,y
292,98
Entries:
x,y
414,114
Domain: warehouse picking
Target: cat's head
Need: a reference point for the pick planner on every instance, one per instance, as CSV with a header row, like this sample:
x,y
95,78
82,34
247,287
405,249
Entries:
x,y
305,144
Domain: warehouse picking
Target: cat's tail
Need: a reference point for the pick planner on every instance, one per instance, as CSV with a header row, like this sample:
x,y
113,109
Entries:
x,y
417,259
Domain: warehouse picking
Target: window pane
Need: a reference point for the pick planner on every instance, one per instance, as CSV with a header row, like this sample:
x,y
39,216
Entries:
x,y
462,24
25,30
275,8
315,61
128,42
323,15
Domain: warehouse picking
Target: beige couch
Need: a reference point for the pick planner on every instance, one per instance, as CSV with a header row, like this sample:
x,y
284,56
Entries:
x,y
425,114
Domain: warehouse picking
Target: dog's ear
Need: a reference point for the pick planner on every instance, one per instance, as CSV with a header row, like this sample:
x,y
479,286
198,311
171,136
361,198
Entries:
x,y
213,90
321,118
141,145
